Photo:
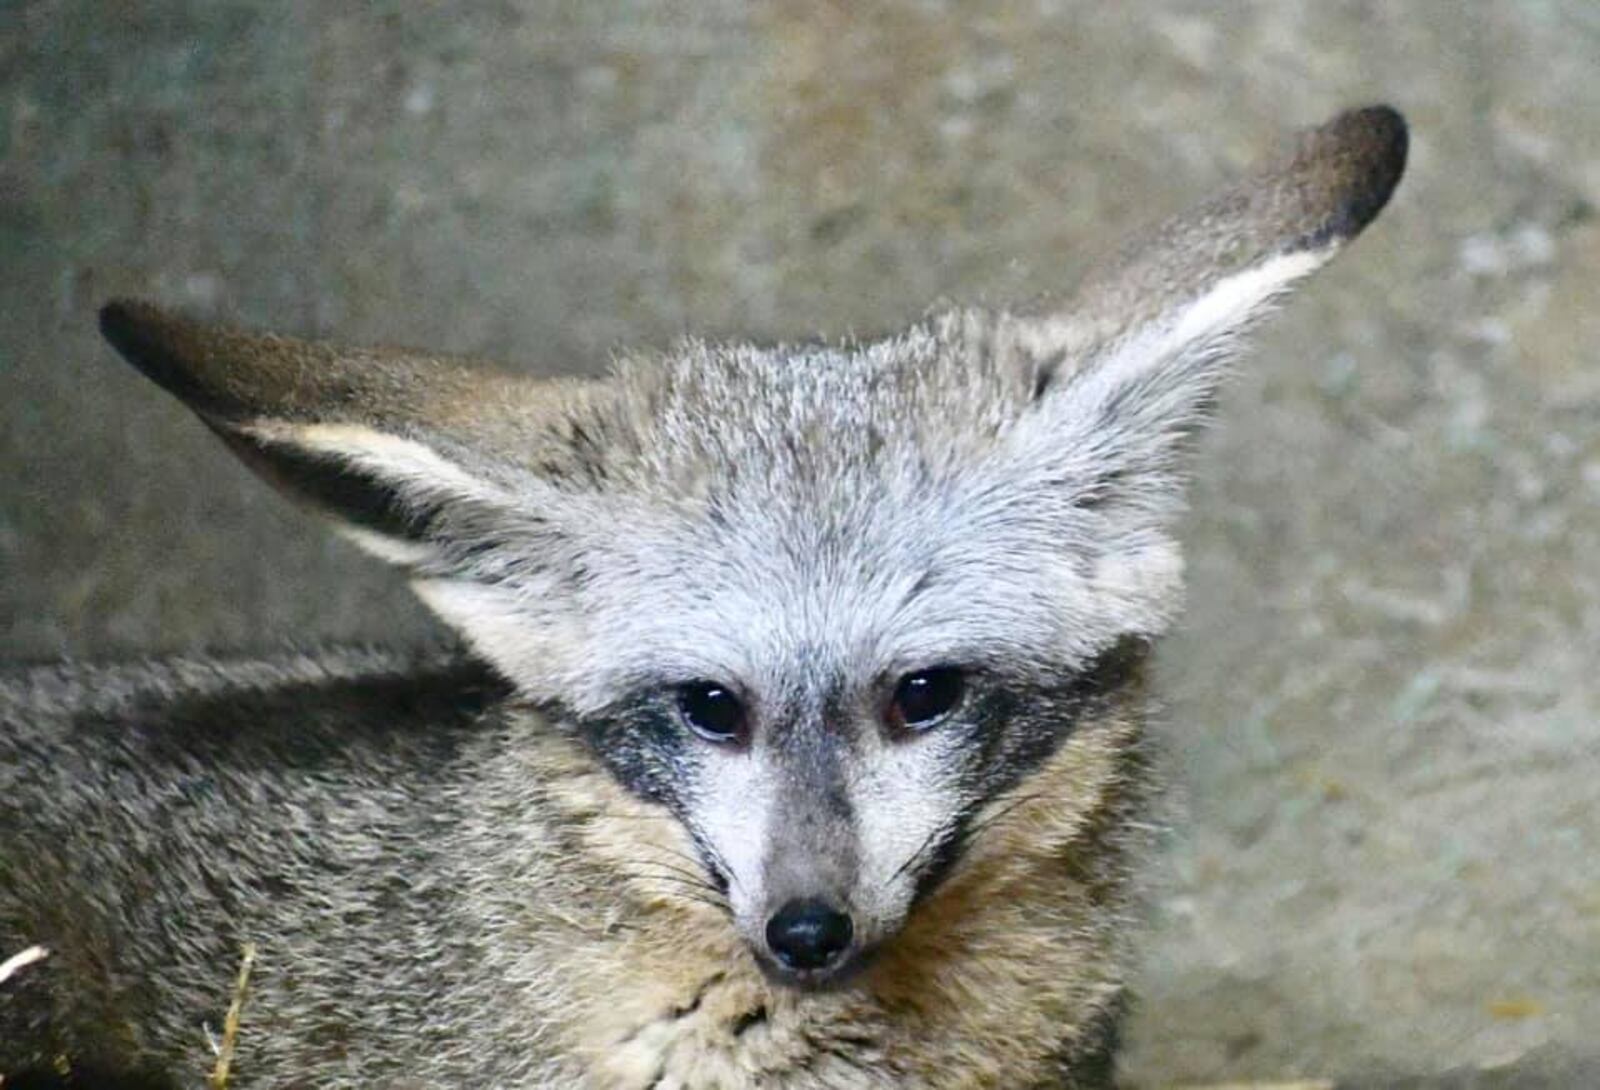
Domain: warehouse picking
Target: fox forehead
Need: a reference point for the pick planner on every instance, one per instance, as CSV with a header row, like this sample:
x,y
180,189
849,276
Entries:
x,y
887,587
743,419
875,506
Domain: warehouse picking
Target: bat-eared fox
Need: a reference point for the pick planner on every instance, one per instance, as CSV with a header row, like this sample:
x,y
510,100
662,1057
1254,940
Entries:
x,y
798,738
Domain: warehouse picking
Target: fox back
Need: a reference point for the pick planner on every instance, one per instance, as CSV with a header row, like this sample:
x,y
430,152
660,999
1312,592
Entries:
x,y
807,746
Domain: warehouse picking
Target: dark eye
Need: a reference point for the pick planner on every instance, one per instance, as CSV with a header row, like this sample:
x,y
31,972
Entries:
x,y
712,711
923,698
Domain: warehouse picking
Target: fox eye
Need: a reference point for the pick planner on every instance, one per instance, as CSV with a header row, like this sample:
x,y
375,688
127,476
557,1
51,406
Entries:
x,y
923,698
712,711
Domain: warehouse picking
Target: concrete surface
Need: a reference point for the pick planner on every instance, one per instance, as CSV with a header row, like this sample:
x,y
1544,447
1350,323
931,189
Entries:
x,y
1384,711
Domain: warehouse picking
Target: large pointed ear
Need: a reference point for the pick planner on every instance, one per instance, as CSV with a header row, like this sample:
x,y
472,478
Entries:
x,y
414,456
1131,362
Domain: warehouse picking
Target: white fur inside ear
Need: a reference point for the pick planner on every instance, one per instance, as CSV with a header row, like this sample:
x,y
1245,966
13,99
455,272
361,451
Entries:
x,y
414,470
405,463
406,554
1197,327
1142,587
522,644
1235,300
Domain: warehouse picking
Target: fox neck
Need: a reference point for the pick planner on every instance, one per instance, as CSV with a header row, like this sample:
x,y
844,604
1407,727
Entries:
x,y
1012,965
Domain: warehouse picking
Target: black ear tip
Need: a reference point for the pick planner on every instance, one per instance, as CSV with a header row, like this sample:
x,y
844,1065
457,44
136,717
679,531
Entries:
x,y
1380,121
116,321
1381,137
1363,153
160,344
130,326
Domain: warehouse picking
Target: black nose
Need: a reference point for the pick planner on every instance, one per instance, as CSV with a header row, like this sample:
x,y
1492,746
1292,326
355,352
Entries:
x,y
809,934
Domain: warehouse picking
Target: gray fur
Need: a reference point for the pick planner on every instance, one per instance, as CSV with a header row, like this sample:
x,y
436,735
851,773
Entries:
x,y
539,875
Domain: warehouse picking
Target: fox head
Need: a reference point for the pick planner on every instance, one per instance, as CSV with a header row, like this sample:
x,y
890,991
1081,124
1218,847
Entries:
x,y
822,604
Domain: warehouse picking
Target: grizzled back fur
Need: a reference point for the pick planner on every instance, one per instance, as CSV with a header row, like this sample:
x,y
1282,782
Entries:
x,y
820,757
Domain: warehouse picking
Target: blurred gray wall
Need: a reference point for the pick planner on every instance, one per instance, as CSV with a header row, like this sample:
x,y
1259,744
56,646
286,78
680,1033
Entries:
x,y
1384,706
